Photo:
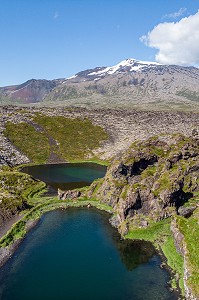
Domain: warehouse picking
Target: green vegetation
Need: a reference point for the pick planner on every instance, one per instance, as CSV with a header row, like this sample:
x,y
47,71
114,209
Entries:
x,y
41,206
160,235
174,260
68,139
190,229
191,95
164,183
150,171
29,141
15,189
167,178
76,138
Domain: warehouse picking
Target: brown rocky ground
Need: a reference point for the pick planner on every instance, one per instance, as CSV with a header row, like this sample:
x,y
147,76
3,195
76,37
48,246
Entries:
x,y
122,126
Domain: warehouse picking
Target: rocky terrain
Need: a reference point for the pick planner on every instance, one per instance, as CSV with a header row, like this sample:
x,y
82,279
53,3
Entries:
x,y
153,173
155,180
123,128
129,84
152,180
132,83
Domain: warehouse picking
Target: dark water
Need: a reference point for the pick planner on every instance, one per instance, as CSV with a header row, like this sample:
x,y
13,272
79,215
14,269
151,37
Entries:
x,y
76,255
66,176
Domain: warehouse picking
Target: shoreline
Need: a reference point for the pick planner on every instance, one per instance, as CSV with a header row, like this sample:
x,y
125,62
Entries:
x,y
8,224
7,252
11,240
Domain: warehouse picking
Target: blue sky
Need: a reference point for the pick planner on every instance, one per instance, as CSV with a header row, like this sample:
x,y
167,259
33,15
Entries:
x,y
58,38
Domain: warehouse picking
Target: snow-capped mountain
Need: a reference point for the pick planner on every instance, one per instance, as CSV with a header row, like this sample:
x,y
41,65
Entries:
x,y
127,65
130,65
130,83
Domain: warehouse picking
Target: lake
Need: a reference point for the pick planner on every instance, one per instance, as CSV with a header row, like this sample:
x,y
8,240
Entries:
x,y
66,176
76,255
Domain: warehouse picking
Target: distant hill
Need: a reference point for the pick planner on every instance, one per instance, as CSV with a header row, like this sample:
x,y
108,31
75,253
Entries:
x,y
29,92
129,84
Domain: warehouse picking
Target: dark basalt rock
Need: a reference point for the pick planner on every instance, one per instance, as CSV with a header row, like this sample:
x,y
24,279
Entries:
x,y
70,195
186,211
152,179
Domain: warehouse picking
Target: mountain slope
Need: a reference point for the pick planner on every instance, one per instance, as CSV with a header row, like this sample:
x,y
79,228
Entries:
x,y
129,84
29,92
132,83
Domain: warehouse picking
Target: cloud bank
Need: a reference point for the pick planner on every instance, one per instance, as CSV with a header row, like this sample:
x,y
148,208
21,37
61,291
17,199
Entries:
x,y
177,42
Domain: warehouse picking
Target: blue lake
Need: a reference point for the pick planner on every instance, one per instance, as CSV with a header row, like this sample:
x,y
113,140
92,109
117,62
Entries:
x,y
76,255
66,176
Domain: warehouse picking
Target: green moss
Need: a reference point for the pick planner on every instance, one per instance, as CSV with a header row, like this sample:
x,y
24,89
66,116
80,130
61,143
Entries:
x,y
124,192
160,235
32,143
190,229
174,260
76,138
150,171
16,232
155,232
164,183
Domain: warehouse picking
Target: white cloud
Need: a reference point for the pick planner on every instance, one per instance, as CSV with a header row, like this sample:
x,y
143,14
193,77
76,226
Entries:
x,y
56,15
176,14
177,42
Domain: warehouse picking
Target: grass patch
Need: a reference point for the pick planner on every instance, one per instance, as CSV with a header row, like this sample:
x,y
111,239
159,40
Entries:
x,y
160,235
76,138
16,232
149,171
174,260
16,188
32,143
190,229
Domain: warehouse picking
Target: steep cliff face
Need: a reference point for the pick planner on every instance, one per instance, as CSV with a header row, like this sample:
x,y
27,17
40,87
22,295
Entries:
x,y
152,180
186,233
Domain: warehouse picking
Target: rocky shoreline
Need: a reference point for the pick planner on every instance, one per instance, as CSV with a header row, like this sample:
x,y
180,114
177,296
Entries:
x,y
7,252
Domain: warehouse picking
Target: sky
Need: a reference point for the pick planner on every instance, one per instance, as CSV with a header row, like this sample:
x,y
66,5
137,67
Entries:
x,y
49,39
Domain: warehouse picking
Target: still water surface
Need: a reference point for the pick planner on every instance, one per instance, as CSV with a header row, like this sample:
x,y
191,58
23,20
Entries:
x,y
66,176
76,255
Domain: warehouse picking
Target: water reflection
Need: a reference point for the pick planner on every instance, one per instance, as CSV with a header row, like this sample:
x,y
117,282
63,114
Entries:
x,y
76,254
134,253
66,176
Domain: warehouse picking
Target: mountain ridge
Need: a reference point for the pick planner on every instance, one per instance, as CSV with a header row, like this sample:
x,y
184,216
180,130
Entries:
x,y
130,83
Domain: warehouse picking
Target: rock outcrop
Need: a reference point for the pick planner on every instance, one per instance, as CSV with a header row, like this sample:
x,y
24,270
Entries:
x,y
152,180
68,195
